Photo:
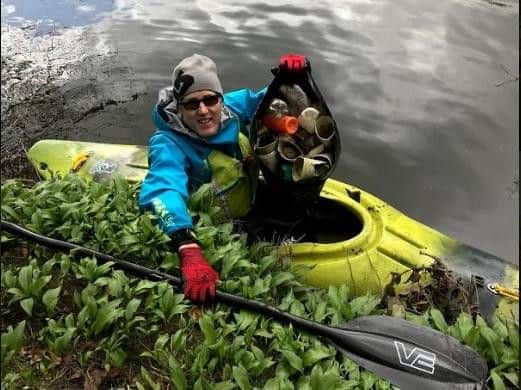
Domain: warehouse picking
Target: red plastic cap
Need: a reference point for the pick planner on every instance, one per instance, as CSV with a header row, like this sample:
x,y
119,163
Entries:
x,y
285,124
291,124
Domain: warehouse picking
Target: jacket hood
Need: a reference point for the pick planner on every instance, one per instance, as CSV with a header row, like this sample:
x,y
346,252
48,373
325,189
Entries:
x,y
166,116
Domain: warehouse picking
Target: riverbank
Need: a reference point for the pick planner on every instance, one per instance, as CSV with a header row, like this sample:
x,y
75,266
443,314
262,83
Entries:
x,y
51,83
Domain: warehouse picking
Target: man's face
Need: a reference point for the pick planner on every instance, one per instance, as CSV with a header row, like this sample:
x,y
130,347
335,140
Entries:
x,y
201,112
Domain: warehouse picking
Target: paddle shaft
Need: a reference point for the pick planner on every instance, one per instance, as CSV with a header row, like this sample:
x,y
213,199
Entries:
x,y
329,332
367,340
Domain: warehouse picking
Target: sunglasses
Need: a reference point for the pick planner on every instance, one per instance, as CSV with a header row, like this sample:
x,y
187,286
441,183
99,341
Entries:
x,y
209,101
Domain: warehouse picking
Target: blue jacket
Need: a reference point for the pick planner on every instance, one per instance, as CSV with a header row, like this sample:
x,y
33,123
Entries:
x,y
178,157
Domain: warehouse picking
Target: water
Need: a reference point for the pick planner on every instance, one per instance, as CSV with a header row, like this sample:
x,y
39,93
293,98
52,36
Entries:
x,y
49,16
424,92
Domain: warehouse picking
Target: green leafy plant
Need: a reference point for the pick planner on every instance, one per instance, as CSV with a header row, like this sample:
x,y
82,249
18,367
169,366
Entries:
x,y
98,318
61,335
12,342
28,287
498,343
89,269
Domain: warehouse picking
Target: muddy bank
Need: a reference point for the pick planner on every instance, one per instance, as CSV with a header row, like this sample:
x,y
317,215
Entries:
x,y
50,84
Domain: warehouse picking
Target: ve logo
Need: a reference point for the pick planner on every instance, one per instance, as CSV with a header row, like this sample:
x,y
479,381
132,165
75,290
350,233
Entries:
x,y
416,358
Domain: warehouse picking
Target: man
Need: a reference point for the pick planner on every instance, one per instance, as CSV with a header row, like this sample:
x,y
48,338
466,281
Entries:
x,y
201,137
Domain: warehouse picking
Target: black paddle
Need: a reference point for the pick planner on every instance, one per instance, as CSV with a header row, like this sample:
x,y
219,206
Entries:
x,y
408,355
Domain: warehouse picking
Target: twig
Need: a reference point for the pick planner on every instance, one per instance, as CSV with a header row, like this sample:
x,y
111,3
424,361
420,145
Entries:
x,y
59,376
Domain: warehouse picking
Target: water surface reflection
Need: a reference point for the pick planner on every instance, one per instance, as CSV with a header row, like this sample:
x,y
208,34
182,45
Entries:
x,y
415,87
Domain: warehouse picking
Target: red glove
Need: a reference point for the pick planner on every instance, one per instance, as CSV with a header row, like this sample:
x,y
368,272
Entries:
x,y
199,276
292,62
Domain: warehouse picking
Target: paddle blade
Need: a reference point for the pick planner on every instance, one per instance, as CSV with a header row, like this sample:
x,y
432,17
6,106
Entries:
x,y
409,355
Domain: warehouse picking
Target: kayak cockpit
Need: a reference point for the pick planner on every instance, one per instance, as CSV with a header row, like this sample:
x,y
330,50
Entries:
x,y
326,221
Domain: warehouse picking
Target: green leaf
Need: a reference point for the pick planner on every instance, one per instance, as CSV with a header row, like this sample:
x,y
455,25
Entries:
x,y
495,345
90,304
259,288
282,278
240,375
464,324
224,385
132,307
106,315
202,355
83,317
178,340
228,264
9,279
39,283
176,374
293,359
336,297
18,294
368,380
351,368
472,337
201,384
513,335
207,327
27,305
304,383
512,378
13,339
382,384
63,343
25,279
50,298
500,328
161,342
316,377
267,262
9,210
245,319
170,261
422,319
118,357
318,352
145,285
438,319
47,266
297,308
279,383
364,305
320,311
497,381
148,380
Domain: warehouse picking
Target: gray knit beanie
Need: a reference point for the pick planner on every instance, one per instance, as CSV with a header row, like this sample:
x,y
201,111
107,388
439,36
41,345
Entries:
x,y
195,73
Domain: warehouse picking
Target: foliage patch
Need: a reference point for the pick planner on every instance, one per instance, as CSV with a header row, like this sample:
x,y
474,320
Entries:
x,y
69,322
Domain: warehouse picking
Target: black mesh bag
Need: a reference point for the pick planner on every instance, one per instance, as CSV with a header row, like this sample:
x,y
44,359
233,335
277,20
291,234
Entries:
x,y
282,191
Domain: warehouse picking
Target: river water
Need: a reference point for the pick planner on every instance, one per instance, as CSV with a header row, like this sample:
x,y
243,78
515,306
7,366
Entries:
x,y
426,94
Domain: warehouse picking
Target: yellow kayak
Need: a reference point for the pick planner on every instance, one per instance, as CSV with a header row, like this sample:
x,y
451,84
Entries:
x,y
385,241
